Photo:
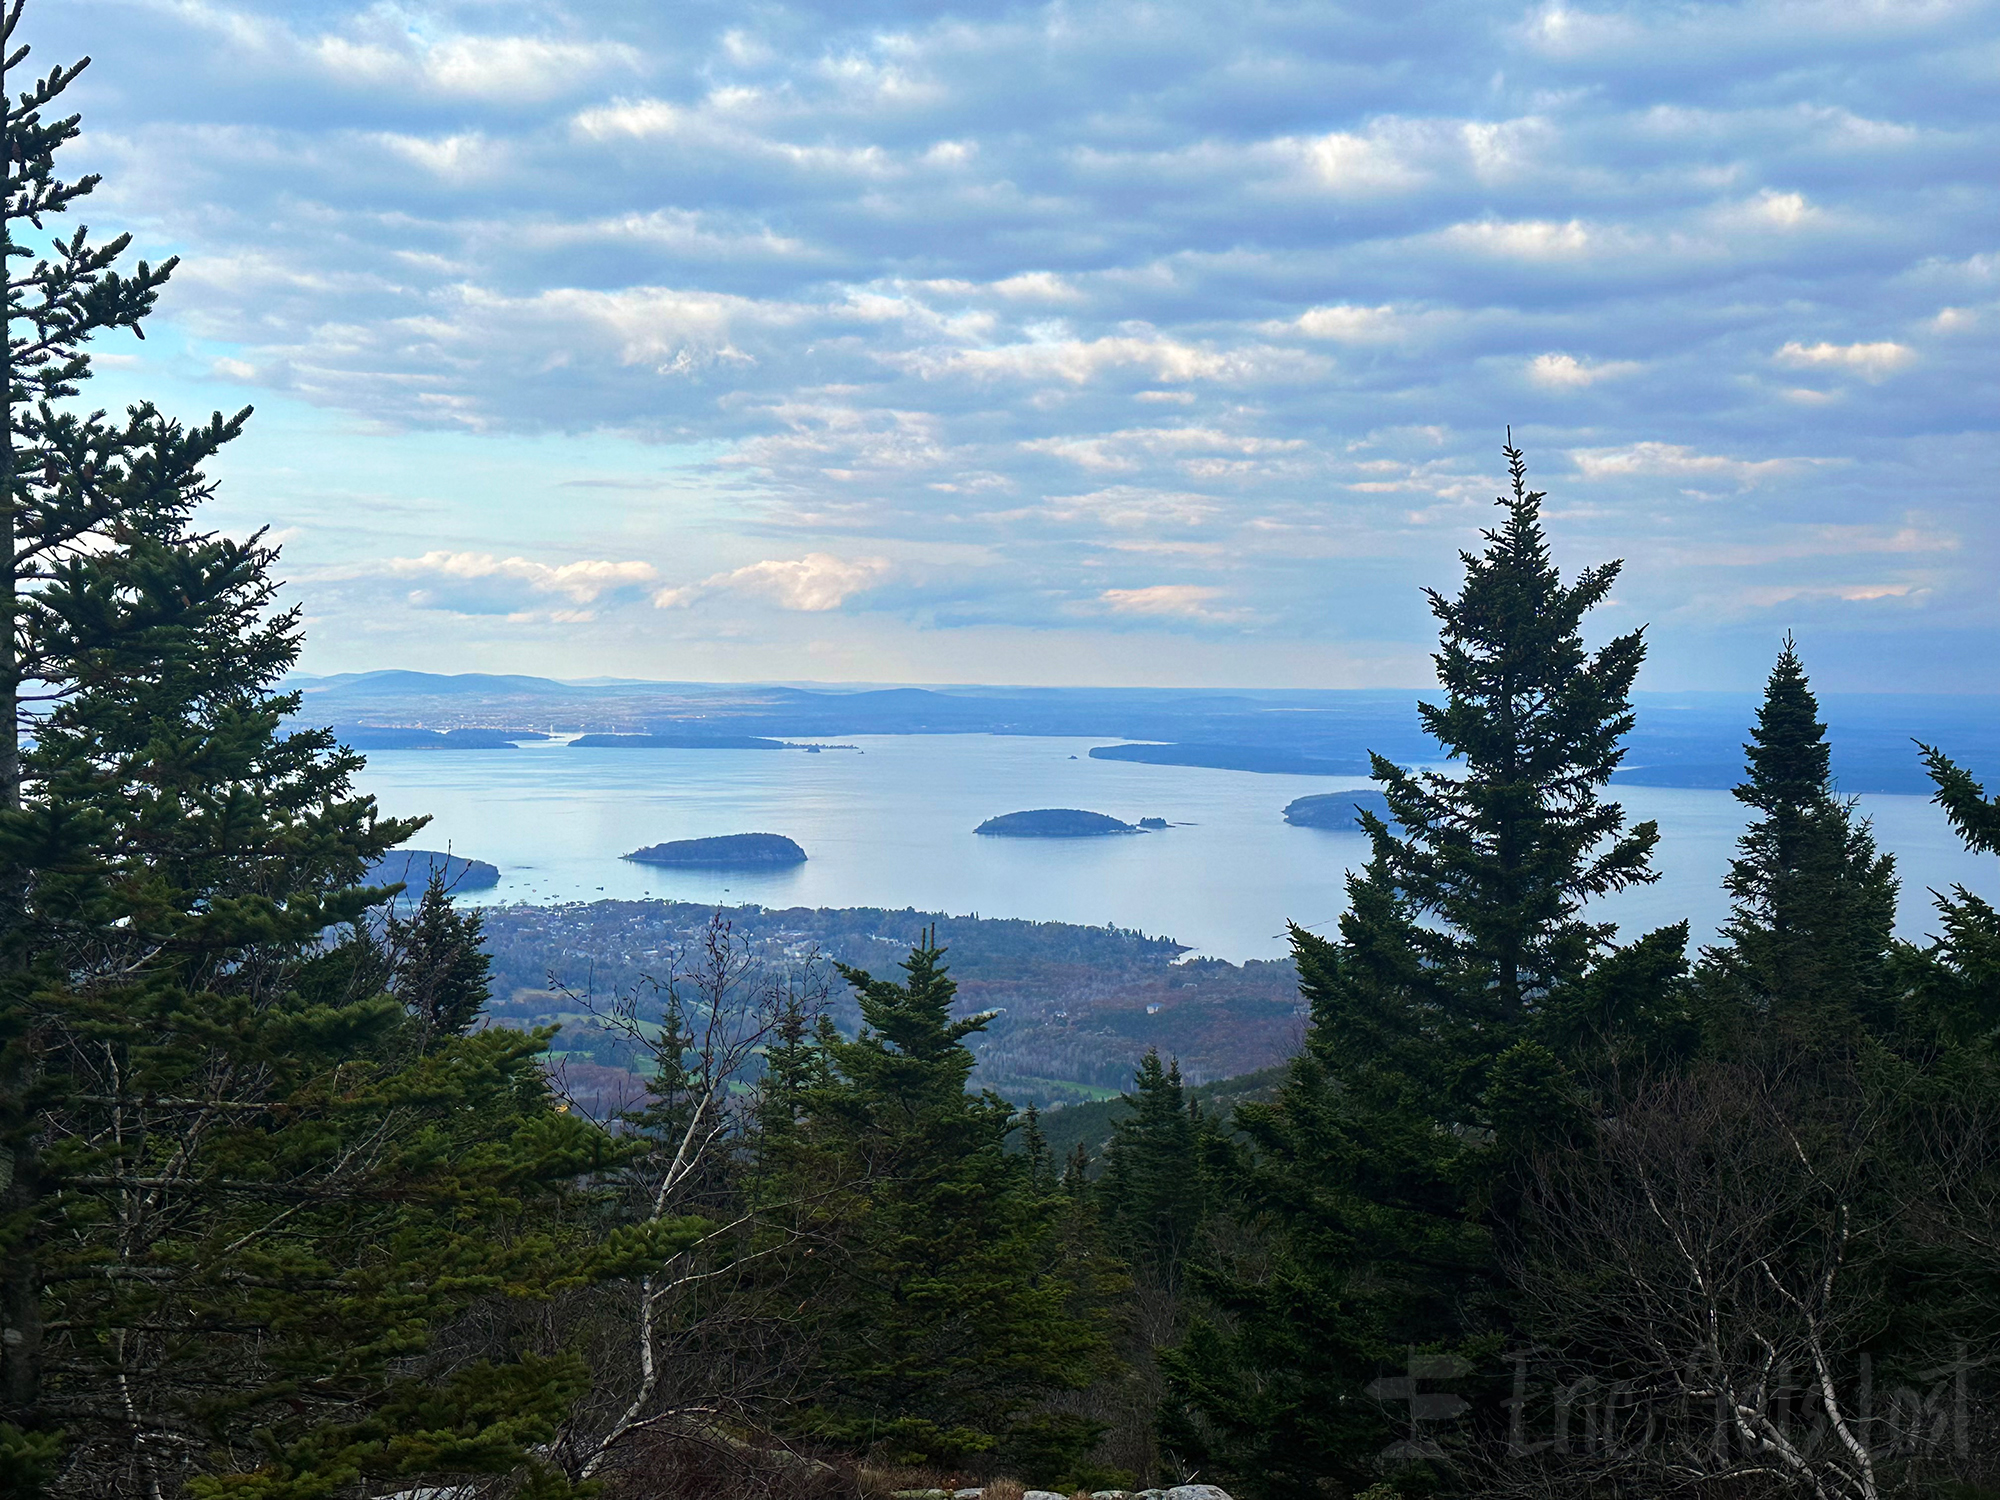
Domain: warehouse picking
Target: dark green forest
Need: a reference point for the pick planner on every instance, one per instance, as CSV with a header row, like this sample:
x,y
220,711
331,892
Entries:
x,y
291,1208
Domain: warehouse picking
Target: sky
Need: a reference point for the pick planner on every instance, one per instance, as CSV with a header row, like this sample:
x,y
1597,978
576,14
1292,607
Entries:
x,y
1154,343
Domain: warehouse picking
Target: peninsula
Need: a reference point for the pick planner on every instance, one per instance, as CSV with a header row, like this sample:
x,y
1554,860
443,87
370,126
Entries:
x,y
693,742
1259,758
676,742
403,737
1054,823
730,851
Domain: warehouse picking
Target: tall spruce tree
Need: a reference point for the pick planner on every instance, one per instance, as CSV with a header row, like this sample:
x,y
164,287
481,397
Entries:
x,y
89,503
1954,994
1442,1022
1154,1188
1806,950
442,972
952,1316
243,1194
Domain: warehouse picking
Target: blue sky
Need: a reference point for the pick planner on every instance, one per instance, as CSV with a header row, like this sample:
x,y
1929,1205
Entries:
x,y
1159,343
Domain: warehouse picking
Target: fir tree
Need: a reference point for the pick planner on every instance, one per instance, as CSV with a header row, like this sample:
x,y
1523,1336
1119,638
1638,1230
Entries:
x,y
1153,1190
1814,905
1953,991
266,1179
242,1200
441,969
1464,961
954,1316
89,504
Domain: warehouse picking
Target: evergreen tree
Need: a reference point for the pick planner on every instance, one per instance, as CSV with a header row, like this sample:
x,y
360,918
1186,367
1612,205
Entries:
x,y
1154,1189
89,506
442,972
952,1316
1953,991
1432,1059
243,1195
1807,945
265,1181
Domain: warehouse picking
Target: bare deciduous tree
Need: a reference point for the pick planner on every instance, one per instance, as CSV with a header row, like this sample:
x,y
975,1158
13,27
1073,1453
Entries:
x,y
688,1328
1720,1281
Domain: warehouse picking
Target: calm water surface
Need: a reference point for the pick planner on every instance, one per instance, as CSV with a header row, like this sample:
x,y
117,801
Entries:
x,y
890,824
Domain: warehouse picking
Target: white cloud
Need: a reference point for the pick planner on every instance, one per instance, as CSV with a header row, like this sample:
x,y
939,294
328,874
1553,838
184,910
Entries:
x,y
1524,239
479,67
814,583
1678,461
1176,601
584,581
1777,210
1355,163
481,583
1081,360
1872,362
1562,372
1346,323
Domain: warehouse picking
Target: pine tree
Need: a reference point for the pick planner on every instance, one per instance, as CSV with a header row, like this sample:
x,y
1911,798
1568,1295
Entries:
x,y
1806,949
952,1316
1464,963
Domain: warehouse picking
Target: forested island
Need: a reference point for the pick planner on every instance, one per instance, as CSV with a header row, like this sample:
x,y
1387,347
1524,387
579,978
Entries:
x,y
1055,823
1336,810
727,851
415,867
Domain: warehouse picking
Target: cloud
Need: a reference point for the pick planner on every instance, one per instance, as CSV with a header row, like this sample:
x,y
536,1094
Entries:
x,y
814,583
1052,284
1872,362
1179,601
1527,239
1677,461
1349,324
1565,372
471,65
479,583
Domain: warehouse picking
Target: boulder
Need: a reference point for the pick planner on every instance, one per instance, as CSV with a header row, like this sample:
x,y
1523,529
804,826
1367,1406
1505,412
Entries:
x,y
1196,1492
1043,1495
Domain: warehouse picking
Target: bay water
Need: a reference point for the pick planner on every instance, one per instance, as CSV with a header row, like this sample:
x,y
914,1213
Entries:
x,y
890,823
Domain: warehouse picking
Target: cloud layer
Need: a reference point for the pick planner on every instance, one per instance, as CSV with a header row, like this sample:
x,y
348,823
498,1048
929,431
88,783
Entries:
x,y
1115,317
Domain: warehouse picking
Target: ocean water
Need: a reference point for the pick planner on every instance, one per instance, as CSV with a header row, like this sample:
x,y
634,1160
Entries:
x,y
890,823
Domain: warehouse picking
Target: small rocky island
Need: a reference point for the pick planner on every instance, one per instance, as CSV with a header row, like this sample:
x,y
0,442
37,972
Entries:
x,y
1337,810
1055,823
730,851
